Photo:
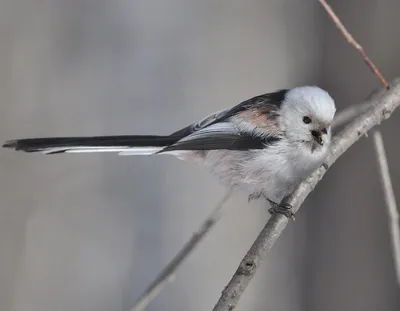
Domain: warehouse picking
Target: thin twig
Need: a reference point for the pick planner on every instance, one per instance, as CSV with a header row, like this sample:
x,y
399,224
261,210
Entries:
x,y
380,110
390,200
353,42
168,273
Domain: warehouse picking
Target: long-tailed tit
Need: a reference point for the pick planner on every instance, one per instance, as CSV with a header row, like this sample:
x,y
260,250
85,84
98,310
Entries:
x,y
265,145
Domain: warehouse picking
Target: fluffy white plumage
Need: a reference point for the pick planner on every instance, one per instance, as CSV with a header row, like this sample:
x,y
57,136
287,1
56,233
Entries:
x,y
265,145
277,169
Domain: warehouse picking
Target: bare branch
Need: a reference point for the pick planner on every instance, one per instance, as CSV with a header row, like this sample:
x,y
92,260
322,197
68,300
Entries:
x,y
344,116
348,114
381,109
390,200
353,42
168,273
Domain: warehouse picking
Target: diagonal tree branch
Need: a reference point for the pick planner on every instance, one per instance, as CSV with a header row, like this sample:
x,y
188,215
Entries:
x,y
347,114
381,109
390,200
168,273
353,42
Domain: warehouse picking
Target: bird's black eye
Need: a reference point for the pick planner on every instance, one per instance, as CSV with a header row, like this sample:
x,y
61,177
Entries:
x,y
324,130
307,120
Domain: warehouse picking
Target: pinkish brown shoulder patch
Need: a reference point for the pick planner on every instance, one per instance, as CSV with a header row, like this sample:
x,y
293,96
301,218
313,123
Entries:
x,y
261,117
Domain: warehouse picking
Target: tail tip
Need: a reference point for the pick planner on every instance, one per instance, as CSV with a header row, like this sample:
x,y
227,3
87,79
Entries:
x,y
12,144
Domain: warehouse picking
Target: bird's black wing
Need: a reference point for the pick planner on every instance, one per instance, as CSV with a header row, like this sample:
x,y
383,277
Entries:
x,y
221,136
269,103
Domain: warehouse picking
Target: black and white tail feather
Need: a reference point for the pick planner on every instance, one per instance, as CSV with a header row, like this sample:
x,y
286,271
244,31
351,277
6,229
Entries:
x,y
214,132
54,145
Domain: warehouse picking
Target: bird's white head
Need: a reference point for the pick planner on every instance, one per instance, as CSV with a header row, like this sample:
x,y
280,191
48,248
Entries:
x,y
306,115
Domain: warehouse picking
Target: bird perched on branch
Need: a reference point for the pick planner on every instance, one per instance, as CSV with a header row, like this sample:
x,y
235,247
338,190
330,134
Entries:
x,y
265,145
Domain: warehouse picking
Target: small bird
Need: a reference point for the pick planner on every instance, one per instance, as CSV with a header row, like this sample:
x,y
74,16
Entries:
x,y
265,145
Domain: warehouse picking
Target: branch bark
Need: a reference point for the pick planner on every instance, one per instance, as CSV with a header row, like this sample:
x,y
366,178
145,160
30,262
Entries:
x,y
390,201
381,108
349,113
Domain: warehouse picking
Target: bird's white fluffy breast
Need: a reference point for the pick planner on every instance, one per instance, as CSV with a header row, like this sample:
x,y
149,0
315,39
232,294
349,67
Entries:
x,y
284,166
275,170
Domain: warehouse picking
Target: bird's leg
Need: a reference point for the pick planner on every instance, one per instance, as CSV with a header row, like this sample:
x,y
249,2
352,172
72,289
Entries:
x,y
256,196
284,209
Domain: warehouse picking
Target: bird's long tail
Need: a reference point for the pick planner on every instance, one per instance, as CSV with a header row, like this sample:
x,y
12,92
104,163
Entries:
x,y
126,145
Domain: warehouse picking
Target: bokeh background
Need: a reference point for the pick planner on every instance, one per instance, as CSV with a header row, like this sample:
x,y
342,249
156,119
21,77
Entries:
x,y
90,232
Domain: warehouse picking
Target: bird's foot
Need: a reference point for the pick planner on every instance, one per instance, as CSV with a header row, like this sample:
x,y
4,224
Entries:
x,y
284,209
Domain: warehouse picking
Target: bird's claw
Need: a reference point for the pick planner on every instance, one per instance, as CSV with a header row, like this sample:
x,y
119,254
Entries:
x,y
284,209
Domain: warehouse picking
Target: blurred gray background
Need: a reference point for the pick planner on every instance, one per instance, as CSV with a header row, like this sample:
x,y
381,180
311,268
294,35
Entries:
x,y
90,232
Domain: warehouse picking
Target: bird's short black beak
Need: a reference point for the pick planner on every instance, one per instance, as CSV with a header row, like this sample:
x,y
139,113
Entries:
x,y
317,134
